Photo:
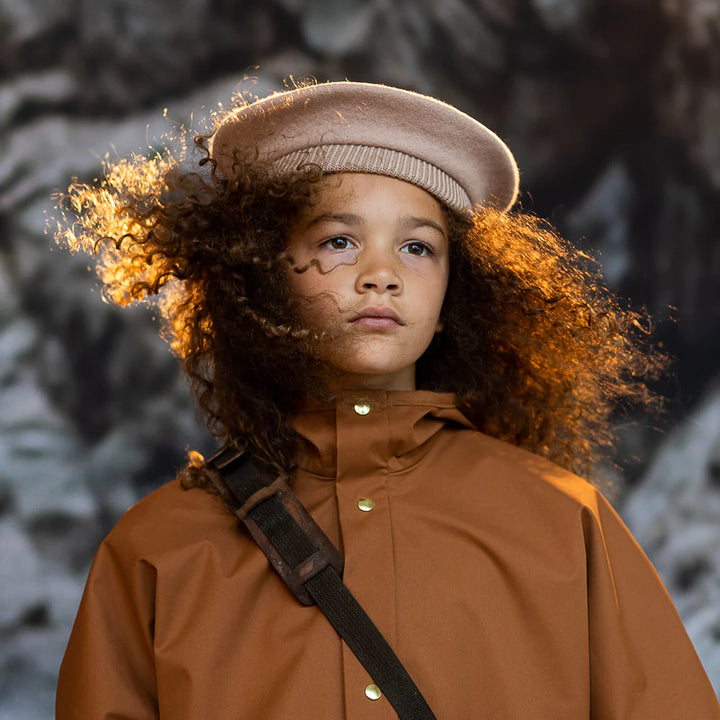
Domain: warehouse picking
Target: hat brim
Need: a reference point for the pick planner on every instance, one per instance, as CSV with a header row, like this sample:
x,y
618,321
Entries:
x,y
375,116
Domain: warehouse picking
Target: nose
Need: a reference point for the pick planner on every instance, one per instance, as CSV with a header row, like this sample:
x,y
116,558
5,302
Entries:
x,y
378,272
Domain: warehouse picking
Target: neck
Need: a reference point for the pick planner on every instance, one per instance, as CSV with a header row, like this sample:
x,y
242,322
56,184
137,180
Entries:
x,y
403,381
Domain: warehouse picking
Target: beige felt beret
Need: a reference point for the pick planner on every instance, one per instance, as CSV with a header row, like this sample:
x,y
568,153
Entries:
x,y
362,127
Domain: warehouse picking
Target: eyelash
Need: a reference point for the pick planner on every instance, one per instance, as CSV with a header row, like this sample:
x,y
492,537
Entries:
x,y
426,250
328,243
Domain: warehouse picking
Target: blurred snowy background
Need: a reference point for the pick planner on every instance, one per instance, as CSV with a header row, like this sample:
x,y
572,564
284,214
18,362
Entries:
x,y
612,108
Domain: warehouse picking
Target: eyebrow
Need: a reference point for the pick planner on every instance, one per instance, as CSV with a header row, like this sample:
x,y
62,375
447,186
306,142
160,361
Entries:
x,y
347,218
410,222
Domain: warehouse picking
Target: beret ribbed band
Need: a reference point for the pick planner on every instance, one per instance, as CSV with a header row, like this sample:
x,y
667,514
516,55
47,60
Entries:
x,y
378,161
362,127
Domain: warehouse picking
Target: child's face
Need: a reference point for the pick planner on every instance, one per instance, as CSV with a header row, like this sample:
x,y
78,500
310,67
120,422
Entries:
x,y
381,245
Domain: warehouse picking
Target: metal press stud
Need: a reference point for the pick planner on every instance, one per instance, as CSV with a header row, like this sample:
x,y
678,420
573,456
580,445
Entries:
x,y
365,504
372,692
361,408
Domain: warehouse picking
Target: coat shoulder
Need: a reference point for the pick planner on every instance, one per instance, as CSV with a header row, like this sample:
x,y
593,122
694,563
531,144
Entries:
x,y
518,472
170,517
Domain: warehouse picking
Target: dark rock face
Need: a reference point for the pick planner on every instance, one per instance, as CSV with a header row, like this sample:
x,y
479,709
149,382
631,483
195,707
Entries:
x,y
611,108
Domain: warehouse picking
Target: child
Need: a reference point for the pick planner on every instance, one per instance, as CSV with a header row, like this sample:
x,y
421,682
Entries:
x,y
356,306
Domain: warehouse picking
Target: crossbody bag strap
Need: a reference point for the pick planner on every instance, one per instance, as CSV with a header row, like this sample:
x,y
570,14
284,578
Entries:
x,y
312,567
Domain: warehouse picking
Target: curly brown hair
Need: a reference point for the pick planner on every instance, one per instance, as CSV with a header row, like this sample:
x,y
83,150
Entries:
x,y
539,353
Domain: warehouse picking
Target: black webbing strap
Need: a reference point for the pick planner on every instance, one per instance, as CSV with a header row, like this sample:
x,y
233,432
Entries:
x,y
311,566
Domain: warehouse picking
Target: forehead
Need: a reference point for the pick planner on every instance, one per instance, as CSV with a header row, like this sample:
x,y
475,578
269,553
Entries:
x,y
375,193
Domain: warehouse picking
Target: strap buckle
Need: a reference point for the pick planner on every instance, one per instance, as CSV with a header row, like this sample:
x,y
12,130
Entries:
x,y
252,485
325,552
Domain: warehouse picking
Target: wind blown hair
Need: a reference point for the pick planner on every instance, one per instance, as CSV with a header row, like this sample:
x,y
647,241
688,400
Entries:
x,y
538,352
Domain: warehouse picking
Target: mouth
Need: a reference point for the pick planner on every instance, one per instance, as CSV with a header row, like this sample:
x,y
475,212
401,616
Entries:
x,y
377,318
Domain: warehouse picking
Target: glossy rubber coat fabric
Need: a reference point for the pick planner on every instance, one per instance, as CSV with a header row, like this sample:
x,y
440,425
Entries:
x,y
508,587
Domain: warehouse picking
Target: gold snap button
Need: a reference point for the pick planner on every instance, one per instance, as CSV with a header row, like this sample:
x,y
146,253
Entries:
x,y
362,408
372,692
366,504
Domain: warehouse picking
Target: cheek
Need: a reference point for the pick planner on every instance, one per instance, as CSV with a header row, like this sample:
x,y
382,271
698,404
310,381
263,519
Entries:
x,y
316,302
299,285
307,284
322,286
440,295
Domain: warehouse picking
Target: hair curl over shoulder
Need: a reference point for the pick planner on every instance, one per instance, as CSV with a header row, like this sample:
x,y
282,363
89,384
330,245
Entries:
x,y
210,252
539,353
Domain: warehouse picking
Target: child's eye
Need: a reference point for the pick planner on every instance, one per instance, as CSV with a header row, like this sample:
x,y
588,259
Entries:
x,y
417,248
338,242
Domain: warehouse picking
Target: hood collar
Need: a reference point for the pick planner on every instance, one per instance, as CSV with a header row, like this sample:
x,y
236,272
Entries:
x,y
371,431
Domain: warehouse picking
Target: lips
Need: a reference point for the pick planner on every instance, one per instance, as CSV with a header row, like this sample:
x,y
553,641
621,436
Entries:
x,y
377,318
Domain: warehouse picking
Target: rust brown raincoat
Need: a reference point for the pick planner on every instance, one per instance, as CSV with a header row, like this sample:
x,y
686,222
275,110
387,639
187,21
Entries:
x,y
508,587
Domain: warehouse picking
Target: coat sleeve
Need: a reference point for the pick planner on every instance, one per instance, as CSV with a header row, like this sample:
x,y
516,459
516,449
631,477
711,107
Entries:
x,y
642,663
108,670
